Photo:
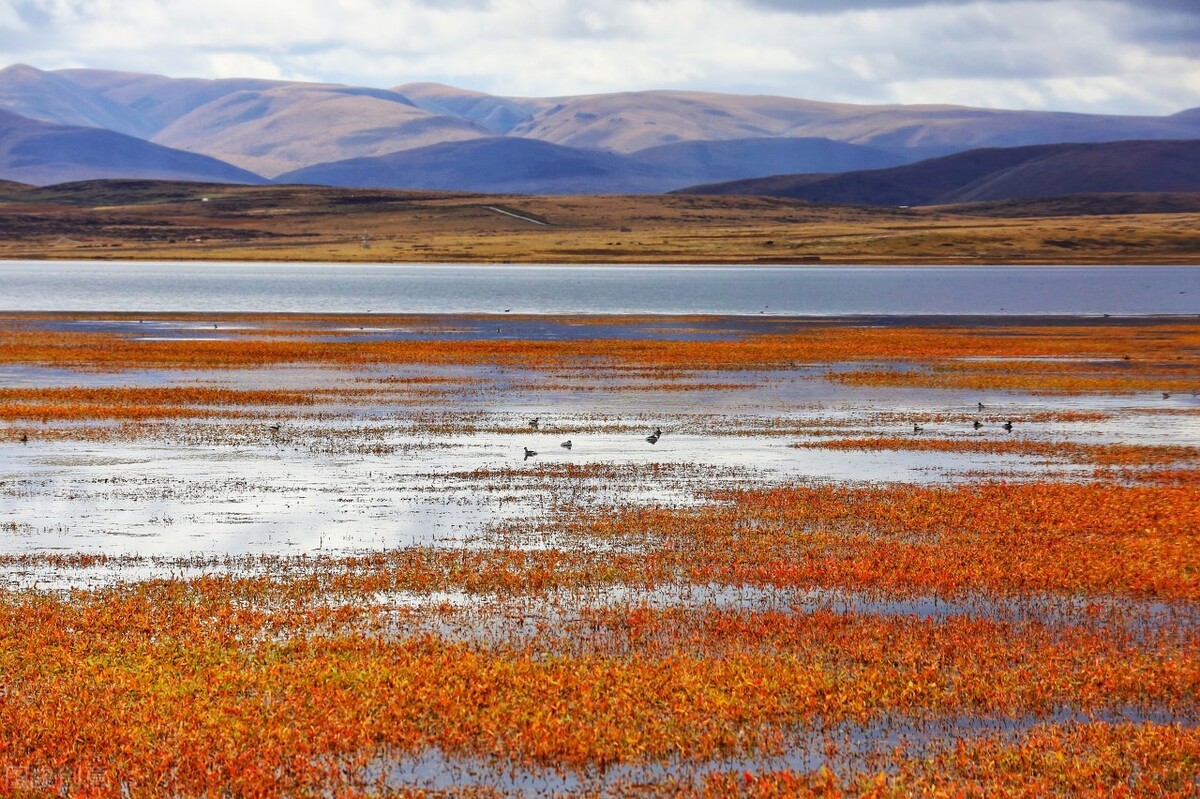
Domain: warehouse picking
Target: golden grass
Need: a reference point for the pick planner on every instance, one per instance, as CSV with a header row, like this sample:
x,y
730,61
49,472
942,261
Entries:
x,y
315,224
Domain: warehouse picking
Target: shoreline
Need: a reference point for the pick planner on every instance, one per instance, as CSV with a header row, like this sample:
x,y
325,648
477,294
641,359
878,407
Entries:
x,y
618,262
895,321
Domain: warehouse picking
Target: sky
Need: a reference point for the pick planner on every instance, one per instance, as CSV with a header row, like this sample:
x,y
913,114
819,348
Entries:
x,y
1101,56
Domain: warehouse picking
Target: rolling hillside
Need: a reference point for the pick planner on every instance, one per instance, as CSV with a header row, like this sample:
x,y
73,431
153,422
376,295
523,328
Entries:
x,y
292,126
996,174
633,121
40,153
156,99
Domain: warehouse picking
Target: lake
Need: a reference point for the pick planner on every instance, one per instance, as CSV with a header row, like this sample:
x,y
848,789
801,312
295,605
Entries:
x,y
729,290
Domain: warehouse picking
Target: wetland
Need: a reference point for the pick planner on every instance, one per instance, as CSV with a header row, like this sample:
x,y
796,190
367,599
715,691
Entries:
x,y
892,551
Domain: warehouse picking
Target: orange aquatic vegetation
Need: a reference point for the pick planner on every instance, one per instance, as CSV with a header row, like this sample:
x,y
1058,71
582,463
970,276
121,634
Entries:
x,y
45,403
1093,759
586,640
1018,538
1035,383
209,685
1100,454
91,350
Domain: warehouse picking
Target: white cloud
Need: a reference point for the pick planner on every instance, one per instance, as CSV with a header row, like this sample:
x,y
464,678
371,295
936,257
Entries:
x,y
1093,55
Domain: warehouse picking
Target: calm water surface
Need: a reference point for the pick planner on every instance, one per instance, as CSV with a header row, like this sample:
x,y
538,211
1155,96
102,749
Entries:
x,y
785,290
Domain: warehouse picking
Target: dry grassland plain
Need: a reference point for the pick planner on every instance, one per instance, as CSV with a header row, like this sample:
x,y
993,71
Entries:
x,y
309,556
164,221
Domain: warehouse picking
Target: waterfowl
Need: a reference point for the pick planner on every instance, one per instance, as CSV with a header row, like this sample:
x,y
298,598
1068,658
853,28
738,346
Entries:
x,y
275,427
1008,425
653,437
529,453
24,438
566,444
917,428
534,422
1166,395
978,424
980,404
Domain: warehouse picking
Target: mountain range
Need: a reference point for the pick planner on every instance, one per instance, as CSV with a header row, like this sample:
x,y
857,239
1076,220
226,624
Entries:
x,y
78,124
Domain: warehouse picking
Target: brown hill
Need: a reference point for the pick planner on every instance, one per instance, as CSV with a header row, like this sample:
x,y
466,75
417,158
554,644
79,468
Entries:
x,y
291,126
9,188
996,174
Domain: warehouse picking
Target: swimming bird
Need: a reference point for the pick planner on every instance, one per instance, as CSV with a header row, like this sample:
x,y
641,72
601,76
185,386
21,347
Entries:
x,y
1008,425
978,424
652,438
533,423
24,438
1166,395
917,428
275,427
566,444
980,404
529,453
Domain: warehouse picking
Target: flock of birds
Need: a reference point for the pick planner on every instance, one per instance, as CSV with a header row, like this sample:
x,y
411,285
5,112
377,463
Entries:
x,y
536,421
653,437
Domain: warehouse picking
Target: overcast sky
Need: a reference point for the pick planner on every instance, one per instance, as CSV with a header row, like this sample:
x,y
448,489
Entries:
x,y
1113,56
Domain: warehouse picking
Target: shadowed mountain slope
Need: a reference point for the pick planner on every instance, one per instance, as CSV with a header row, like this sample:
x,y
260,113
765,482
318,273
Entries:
x,y
48,97
996,174
505,164
40,153
734,158
496,165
